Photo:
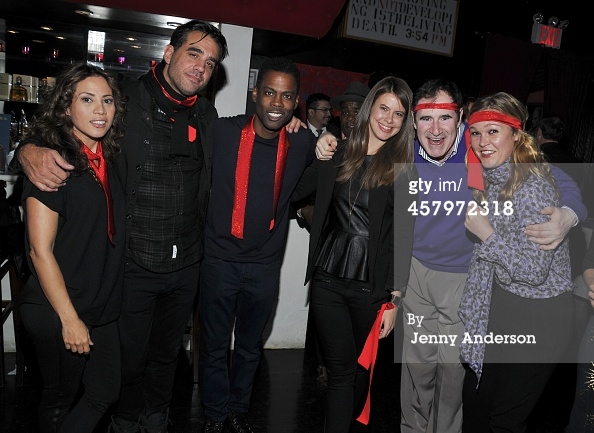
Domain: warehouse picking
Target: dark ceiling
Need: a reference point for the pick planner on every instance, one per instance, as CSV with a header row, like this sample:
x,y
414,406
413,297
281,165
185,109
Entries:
x,y
476,19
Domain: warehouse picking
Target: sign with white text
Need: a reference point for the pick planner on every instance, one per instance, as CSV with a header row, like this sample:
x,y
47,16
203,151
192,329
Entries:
x,y
424,25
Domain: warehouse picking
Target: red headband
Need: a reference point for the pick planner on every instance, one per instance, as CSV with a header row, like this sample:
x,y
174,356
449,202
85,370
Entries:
x,y
484,115
437,106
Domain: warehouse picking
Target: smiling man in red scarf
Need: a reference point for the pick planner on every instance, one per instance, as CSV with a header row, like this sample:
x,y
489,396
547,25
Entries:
x,y
256,167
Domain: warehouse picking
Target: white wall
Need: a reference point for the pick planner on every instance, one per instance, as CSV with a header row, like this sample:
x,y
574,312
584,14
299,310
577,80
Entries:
x,y
289,320
8,328
231,100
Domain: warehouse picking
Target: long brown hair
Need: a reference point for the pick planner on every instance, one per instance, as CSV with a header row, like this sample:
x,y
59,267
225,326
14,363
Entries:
x,y
397,149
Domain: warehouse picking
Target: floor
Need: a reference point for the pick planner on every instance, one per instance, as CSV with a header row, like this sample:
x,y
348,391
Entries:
x,y
286,397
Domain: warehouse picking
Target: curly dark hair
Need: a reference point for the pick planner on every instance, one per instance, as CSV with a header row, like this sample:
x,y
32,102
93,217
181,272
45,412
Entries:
x,y
54,127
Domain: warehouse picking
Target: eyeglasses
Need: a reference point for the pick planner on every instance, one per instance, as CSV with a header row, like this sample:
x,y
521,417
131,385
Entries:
x,y
324,110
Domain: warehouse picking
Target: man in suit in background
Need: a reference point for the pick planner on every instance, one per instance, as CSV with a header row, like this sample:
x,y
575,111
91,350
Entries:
x,y
319,114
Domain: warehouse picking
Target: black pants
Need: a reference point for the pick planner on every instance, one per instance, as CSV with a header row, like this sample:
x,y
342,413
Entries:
x,y
515,375
63,373
155,312
239,295
344,314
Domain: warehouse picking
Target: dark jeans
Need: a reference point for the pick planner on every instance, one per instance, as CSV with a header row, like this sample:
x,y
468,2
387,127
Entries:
x,y
232,293
344,314
155,312
63,373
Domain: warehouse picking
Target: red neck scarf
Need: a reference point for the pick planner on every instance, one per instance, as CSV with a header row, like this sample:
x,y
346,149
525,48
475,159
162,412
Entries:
x,y
242,175
186,102
97,163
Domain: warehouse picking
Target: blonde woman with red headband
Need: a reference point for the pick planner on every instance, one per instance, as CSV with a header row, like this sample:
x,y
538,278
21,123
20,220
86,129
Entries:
x,y
517,303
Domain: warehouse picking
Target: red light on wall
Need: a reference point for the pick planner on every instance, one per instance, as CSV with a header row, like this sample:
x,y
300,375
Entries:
x,y
546,35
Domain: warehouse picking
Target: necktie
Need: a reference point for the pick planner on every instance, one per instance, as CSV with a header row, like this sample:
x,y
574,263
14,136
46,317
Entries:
x,y
319,132
99,167
242,175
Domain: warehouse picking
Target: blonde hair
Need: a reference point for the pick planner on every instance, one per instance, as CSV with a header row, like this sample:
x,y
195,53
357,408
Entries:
x,y
526,158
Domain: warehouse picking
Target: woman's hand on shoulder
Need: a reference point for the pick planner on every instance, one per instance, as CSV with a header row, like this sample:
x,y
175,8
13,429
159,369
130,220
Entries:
x,y
326,146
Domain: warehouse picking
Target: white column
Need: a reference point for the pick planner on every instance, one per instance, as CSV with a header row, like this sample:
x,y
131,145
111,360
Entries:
x,y
231,100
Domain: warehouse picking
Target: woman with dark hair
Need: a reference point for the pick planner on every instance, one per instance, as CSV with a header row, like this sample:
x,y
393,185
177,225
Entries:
x,y
75,241
517,306
360,213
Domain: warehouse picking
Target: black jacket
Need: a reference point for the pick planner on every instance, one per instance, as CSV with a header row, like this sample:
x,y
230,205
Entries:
x,y
390,224
135,143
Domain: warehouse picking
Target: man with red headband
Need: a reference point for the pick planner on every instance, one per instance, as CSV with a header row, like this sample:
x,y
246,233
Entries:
x,y
432,376
432,373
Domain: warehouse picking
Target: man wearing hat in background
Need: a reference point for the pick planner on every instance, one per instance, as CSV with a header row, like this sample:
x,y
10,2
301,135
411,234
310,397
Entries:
x,y
349,104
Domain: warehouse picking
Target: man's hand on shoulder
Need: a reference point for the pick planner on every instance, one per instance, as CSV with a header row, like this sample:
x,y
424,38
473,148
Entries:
x,y
551,233
44,167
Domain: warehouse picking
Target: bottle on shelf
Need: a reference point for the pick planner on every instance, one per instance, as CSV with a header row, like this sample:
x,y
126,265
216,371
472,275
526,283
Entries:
x,y
14,127
42,90
18,91
23,125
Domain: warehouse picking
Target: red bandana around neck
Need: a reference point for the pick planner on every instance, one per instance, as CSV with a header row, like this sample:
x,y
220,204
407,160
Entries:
x,y
97,163
188,102
242,175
